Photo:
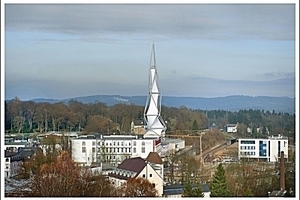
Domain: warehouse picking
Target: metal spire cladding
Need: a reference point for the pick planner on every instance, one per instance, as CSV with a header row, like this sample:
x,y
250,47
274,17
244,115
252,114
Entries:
x,y
155,124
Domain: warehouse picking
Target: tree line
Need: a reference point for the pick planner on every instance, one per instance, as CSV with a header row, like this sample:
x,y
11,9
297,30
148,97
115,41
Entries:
x,y
41,117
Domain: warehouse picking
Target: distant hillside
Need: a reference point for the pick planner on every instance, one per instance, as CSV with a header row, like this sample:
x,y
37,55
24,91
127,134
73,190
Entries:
x,y
230,103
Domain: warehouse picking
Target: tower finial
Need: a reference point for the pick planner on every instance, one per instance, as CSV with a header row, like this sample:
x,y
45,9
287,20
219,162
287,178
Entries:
x,y
152,59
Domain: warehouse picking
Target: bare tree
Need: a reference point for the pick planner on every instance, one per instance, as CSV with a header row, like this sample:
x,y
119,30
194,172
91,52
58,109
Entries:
x,y
138,187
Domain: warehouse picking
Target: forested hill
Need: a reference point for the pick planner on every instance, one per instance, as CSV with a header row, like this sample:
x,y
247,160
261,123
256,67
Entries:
x,y
230,103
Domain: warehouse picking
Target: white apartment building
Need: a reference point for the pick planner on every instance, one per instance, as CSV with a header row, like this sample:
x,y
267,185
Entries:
x,y
231,128
112,149
268,149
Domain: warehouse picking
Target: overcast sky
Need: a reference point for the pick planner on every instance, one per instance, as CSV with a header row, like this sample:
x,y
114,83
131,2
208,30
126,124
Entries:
x,y
202,50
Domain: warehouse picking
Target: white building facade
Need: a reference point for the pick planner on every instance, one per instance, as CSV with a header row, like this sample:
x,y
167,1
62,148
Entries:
x,y
13,166
268,149
112,149
231,128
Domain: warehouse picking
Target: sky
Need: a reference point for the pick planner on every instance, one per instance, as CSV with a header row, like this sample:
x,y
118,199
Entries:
x,y
78,49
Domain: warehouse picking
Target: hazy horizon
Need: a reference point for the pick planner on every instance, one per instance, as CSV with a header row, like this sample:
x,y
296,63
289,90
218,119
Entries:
x,y
61,51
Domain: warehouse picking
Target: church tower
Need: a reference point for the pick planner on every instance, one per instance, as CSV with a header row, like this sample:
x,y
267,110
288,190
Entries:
x,y
155,124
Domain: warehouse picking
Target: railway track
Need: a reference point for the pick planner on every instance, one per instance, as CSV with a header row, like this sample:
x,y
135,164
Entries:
x,y
214,149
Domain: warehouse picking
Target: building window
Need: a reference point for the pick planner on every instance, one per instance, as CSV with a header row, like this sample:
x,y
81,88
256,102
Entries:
x,y
143,143
93,150
134,150
150,175
83,149
102,143
121,143
114,143
129,150
129,144
144,175
99,143
93,143
143,149
118,144
247,142
118,150
134,143
153,185
83,143
121,150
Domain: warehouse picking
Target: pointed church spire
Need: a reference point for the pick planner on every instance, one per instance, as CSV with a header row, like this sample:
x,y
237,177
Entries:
x,y
152,59
155,124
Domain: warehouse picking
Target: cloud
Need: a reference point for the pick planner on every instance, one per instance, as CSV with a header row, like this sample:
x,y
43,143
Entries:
x,y
82,46
203,21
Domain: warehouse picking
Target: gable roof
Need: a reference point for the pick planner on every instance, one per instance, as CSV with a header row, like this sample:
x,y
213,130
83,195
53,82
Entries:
x,y
153,157
136,164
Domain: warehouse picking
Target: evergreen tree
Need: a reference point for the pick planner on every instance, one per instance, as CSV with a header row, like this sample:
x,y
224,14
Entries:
x,y
197,192
218,186
195,125
189,191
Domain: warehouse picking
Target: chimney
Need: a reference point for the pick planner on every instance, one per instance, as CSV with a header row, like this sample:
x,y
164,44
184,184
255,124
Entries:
x,y
282,178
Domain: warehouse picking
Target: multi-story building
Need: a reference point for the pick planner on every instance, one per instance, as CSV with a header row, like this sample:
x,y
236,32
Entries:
x,y
265,148
112,149
14,160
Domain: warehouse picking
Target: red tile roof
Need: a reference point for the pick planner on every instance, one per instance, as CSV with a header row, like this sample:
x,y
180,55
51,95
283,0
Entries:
x,y
153,157
133,164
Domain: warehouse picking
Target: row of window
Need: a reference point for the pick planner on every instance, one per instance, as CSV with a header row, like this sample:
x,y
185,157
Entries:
x,y
247,142
247,148
247,153
114,150
113,144
113,157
